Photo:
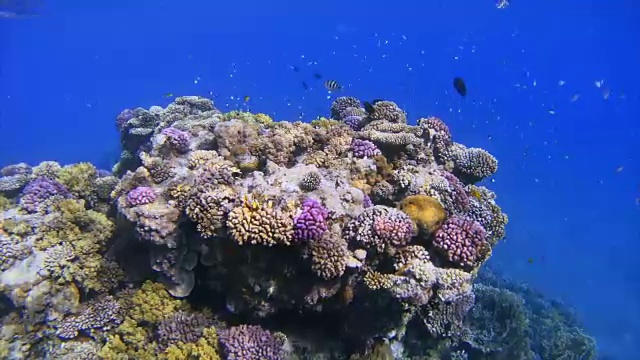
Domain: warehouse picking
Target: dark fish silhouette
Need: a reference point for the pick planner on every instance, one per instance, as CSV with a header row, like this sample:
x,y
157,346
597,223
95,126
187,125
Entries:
x,y
368,106
317,76
332,85
460,86
295,68
305,86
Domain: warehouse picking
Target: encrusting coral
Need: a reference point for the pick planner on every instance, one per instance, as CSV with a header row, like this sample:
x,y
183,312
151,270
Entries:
x,y
363,222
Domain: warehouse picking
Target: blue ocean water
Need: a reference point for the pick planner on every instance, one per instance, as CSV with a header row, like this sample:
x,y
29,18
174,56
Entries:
x,y
551,93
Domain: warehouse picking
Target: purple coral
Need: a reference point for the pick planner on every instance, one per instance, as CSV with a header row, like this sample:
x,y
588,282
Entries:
x,y
102,314
178,139
141,195
39,190
462,240
458,196
311,223
364,148
353,121
123,118
366,201
181,326
251,342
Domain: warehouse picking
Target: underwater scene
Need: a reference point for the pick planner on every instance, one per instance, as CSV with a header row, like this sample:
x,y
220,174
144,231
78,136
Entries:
x,y
434,180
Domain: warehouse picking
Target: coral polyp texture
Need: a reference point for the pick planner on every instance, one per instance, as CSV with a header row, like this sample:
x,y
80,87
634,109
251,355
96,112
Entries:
x,y
218,235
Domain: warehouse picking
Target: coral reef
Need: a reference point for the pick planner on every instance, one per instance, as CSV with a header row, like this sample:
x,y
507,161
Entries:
x,y
225,235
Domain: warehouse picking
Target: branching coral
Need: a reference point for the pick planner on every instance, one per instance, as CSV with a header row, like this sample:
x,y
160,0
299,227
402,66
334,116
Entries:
x,y
251,342
260,223
208,207
463,242
380,226
37,192
75,239
329,257
311,222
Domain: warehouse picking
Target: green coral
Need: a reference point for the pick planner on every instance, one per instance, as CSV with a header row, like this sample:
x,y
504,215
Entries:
x,y
17,228
129,342
5,203
145,308
324,123
82,235
152,303
206,348
79,179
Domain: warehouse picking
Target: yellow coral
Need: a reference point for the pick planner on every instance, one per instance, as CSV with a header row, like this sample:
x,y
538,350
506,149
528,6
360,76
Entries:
x,y
200,157
79,178
263,119
206,348
258,222
324,123
4,203
180,193
152,303
376,281
425,211
129,342
17,228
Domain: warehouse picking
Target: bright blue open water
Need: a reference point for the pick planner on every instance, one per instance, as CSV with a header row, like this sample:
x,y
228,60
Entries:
x,y
569,150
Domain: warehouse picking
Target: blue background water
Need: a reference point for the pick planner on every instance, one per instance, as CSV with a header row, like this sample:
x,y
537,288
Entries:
x,y
569,180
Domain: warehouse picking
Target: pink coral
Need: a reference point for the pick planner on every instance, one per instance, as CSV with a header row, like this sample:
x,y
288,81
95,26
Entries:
x,y
178,139
463,241
140,196
396,228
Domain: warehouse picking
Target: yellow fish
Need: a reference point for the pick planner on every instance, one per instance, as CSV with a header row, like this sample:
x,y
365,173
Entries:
x,y
247,98
167,95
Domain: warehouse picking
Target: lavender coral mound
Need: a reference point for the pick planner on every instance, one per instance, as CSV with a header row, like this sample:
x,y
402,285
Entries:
x,y
463,241
178,139
123,118
364,148
311,223
354,121
140,196
39,190
251,342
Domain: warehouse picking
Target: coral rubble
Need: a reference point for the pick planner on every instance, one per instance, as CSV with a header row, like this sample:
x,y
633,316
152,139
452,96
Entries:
x,y
219,235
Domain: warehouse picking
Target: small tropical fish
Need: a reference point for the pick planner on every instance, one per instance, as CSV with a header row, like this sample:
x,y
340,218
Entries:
x,y
317,76
460,86
295,68
501,4
530,260
167,95
620,168
305,85
247,98
332,85
475,193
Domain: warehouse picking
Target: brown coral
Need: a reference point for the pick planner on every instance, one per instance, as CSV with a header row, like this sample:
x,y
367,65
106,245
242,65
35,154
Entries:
x,y
208,206
260,223
329,257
